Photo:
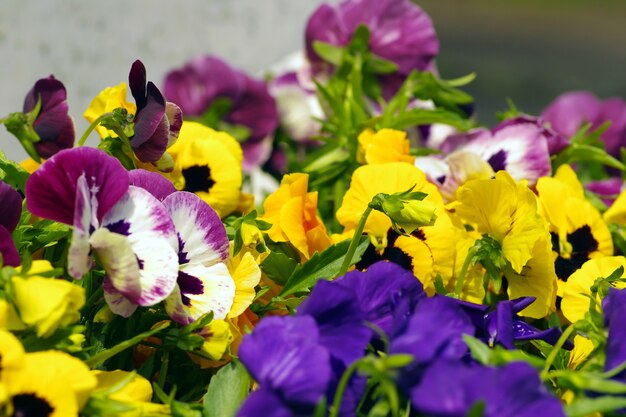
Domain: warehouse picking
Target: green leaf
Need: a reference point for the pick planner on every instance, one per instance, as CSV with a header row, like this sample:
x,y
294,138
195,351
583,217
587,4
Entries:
x,y
328,52
419,117
380,65
12,173
278,267
477,410
180,409
478,349
587,406
324,265
227,390
578,152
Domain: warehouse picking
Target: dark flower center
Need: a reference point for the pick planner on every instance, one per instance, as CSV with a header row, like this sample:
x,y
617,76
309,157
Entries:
x,y
30,405
498,160
583,243
390,253
198,178
182,255
120,227
189,284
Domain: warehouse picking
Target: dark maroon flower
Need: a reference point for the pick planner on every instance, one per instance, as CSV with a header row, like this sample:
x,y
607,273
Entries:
x,y
10,212
157,123
400,31
53,124
200,83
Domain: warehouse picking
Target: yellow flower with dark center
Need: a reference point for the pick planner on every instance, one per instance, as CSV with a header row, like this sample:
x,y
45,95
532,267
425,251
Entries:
x,y
577,229
390,178
11,354
577,289
507,212
386,145
208,163
50,384
292,211
106,101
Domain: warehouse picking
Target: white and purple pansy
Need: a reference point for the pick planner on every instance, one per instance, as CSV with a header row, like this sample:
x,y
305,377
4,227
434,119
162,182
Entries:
x,y
204,283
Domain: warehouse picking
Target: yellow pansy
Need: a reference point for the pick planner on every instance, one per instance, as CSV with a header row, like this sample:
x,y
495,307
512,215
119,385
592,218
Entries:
x,y
246,273
30,165
369,180
582,349
217,338
386,145
617,212
106,101
11,355
292,211
208,163
578,231
136,388
507,212
578,287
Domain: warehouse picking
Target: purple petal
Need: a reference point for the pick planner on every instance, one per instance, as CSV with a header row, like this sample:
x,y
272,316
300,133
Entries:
x,y
156,184
608,190
202,234
255,109
118,304
284,355
556,141
53,125
11,207
201,290
256,154
613,110
569,111
500,325
614,306
266,403
151,123
137,84
340,320
378,288
152,239
195,85
175,118
51,189
10,255
154,147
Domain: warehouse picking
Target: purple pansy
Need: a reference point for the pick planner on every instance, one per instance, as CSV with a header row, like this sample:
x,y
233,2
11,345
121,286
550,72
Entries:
x,y
155,183
614,307
400,31
204,283
53,124
203,80
157,123
568,112
608,189
10,212
452,388
285,356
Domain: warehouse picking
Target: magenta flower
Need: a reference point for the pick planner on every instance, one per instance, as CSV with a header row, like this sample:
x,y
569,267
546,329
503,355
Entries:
x,y
10,212
400,31
53,124
201,82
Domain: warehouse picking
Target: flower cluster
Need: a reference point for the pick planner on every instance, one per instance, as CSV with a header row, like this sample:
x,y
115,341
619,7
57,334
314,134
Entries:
x,y
341,238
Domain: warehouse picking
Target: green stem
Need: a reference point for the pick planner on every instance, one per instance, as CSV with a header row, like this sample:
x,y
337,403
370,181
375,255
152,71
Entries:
x,y
555,350
339,191
341,389
91,127
100,357
355,242
461,278
165,362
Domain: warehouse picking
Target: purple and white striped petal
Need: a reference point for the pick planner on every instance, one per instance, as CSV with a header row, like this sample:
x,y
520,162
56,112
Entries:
x,y
151,236
78,260
201,290
201,233
156,184
51,189
10,208
118,304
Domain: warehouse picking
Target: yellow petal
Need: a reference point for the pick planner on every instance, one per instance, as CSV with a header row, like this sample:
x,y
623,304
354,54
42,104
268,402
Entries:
x,y
246,274
137,389
106,101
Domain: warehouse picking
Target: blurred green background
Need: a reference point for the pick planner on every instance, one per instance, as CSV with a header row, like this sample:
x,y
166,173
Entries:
x,y
530,50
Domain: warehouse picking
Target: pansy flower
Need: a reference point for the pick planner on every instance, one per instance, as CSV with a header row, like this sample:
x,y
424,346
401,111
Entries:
x,y
106,101
506,211
577,289
614,307
400,31
53,124
386,145
292,211
577,229
208,163
203,81
10,212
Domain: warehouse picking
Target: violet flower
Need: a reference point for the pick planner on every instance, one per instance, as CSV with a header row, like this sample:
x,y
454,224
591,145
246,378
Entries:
x,y
10,212
53,124
614,307
451,389
157,123
400,31
202,81
568,112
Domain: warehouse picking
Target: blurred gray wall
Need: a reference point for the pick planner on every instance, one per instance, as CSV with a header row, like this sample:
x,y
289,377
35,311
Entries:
x,y
91,44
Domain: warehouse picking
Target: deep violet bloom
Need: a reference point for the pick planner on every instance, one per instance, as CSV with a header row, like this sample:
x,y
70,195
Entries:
x,y
10,212
452,388
53,124
614,307
153,182
569,111
157,123
400,31
203,80
285,356
608,189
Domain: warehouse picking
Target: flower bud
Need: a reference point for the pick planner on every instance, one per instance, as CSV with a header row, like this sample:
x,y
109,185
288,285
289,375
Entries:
x,y
411,214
